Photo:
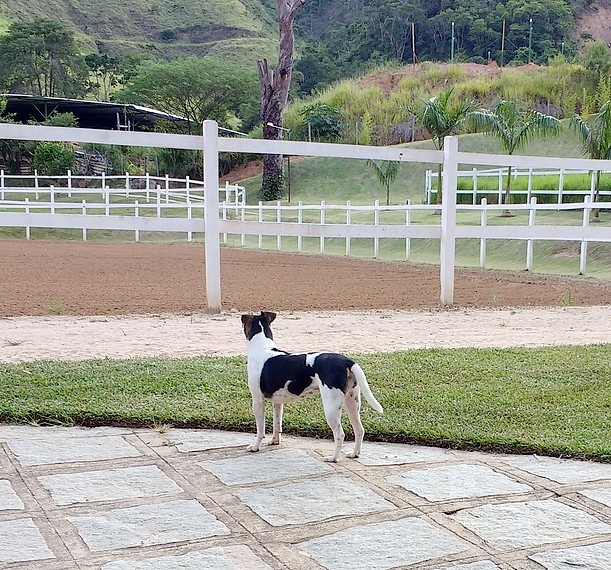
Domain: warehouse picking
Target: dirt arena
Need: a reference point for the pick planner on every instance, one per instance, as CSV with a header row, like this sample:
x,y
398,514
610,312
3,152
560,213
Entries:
x,y
76,278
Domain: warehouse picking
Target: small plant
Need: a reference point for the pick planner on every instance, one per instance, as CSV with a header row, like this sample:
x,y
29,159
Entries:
x,y
567,300
57,308
10,342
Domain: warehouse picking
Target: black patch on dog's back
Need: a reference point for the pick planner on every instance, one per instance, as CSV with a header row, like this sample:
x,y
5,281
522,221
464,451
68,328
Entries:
x,y
292,372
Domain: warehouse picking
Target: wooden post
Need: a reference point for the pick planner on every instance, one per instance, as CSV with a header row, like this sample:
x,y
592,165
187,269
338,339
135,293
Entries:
x,y
448,221
211,217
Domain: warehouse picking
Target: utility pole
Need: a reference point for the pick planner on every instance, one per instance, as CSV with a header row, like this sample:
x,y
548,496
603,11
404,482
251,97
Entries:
x,y
530,39
503,44
452,48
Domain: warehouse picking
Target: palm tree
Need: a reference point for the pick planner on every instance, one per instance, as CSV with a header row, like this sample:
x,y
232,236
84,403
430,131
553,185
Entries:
x,y
595,133
441,117
514,129
386,172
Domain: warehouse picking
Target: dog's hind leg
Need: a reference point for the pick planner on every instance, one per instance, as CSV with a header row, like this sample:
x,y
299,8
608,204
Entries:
x,y
352,404
276,434
258,408
332,401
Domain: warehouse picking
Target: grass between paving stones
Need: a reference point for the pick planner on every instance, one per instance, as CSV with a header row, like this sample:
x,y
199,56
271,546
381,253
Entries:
x,y
553,400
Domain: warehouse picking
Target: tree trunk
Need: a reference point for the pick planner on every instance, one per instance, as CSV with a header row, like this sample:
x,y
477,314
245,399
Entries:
x,y
274,88
506,213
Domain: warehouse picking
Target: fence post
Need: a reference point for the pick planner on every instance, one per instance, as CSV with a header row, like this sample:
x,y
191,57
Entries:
x,y
1,184
224,207
243,218
530,242
107,200
103,183
84,212
260,220
376,222
300,221
136,215
52,198
69,182
158,201
560,185
427,187
279,221
27,211
530,185
583,249
211,214
348,223
190,217
322,223
408,244
448,221
482,241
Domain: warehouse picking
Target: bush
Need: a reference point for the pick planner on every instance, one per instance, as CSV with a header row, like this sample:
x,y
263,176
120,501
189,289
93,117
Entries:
x,y
53,159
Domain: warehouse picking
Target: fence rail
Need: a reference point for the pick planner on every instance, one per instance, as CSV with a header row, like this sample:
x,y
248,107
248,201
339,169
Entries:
x,y
500,174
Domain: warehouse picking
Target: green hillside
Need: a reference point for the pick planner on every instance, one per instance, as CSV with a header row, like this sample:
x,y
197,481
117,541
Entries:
x,y
243,31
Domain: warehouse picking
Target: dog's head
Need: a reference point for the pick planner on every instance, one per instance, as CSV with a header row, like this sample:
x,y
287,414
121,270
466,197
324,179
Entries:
x,y
254,324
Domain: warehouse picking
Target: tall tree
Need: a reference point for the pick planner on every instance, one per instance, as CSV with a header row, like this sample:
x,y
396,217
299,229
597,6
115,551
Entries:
x,y
441,116
385,172
514,128
595,134
274,88
40,57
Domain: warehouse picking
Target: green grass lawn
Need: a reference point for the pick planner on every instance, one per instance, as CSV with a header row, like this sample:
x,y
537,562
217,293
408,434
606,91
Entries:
x,y
554,401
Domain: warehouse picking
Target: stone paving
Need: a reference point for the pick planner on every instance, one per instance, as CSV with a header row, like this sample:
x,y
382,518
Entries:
x,y
143,499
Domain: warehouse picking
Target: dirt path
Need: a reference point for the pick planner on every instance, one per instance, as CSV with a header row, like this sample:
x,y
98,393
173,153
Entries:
x,y
75,278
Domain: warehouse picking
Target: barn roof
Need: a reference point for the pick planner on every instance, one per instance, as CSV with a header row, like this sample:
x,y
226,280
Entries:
x,y
90,114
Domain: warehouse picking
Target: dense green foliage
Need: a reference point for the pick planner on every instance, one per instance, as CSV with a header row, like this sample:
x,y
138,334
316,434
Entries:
x,y
356,33
548,400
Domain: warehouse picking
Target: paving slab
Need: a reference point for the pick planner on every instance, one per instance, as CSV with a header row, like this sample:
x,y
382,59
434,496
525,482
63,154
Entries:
x,y
21,541
9,500
278,465
525,524
457,482
593,557
482,565
109,485
562,470
197,440
309,501
145,525
225,558
66,449
378,546
601,495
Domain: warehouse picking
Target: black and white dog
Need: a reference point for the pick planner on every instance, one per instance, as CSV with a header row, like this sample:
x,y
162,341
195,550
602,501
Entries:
x,y
276,375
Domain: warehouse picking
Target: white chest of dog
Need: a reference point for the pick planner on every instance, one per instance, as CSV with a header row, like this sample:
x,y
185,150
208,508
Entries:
x,y
281,377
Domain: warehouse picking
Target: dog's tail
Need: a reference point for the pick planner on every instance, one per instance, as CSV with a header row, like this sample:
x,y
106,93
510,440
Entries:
x,y
364,385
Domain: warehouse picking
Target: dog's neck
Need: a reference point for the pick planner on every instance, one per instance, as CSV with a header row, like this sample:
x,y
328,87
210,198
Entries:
x,y
260,341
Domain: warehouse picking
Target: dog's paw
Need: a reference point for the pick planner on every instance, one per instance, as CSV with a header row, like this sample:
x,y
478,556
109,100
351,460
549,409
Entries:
x,y
254,448
274,442
330,459
353,455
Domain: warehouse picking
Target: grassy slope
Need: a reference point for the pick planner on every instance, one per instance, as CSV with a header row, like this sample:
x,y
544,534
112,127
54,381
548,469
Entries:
x,y
548,400
198,26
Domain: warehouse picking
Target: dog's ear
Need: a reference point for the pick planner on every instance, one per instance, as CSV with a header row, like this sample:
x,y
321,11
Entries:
x,y
268,316
246,318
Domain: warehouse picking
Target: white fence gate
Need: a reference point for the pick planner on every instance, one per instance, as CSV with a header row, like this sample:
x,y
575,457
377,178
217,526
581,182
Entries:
x,y
214,225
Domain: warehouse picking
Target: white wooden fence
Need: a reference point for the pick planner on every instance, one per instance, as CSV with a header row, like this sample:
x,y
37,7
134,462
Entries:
x,y
430,185
216,224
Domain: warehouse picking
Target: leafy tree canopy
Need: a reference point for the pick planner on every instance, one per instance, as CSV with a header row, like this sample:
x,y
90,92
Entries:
x,y
194,88
40,57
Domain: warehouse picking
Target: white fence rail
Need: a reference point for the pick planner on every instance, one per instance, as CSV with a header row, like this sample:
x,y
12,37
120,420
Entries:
x,y
126,184
218,217
559,191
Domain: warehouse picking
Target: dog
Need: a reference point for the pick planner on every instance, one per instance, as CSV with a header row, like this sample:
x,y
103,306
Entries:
x,y
282,377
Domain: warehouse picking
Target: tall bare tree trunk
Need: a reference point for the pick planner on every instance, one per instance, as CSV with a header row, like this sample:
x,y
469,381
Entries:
x,y
274,86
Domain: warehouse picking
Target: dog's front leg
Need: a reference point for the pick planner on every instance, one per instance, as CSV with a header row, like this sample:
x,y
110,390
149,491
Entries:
x,y
258,408
276,434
